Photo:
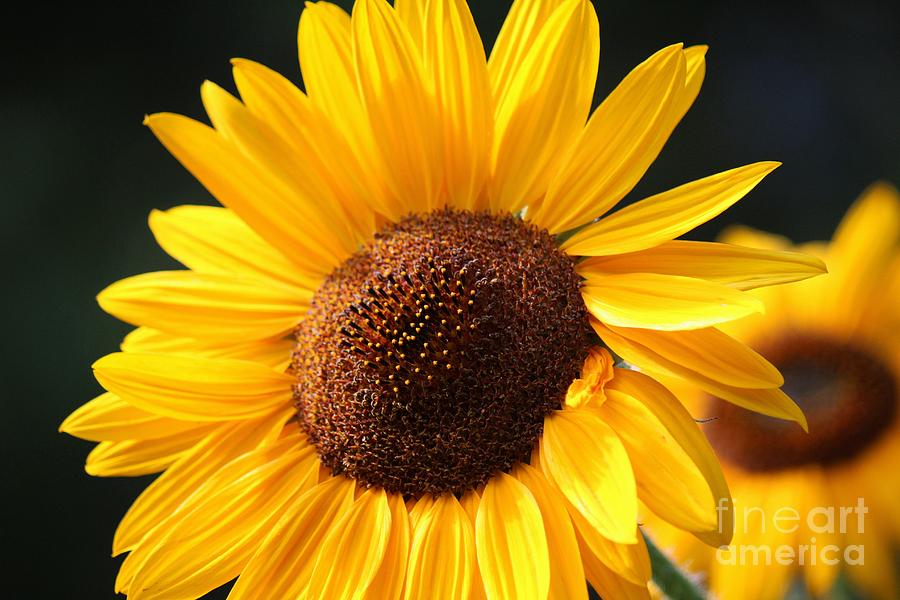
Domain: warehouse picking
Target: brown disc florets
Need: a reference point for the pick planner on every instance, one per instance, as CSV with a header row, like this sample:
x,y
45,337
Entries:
x,y
849,396
429,360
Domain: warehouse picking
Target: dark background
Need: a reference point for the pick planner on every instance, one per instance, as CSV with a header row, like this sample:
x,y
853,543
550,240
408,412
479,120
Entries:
x,y
816,86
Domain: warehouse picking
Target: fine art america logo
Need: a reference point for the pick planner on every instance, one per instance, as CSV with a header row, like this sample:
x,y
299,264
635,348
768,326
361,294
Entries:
x,y
817,534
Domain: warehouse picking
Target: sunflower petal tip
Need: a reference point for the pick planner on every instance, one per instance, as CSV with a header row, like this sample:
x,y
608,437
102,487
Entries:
x,y
801,420
155,215
104,361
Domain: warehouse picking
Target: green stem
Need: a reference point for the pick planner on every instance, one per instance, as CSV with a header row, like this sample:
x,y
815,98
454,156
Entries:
x,y
673,582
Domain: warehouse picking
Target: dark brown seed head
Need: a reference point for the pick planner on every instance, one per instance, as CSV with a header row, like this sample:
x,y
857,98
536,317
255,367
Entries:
x,y
430,359
849,396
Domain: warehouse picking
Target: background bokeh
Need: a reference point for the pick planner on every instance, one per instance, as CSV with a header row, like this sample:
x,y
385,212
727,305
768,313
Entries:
x,y
815,85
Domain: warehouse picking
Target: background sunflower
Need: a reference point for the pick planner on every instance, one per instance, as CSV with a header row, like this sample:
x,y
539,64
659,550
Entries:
x,y
75,157
838,345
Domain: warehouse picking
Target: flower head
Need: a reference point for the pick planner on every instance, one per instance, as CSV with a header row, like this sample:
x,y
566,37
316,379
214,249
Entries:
x,y
380,374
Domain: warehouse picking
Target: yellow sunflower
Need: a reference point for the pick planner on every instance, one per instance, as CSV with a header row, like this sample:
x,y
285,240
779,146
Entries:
x,y
379,376
827,501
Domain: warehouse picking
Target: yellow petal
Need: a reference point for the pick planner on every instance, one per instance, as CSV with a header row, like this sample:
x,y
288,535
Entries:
x,y
621,140
741,235
284,561
735,266
566,571
401,110
588,389
277,161
668,481
350,555
862,249
751,579
664,302
442,556
772,402
709,352
607,582
630,561
210,538
388,582
544,105
470,502
585,459
182,479
687,434
130,458
329,74
267,204
412,14
523,25
695,58
194,389
454,56
664,217
814,493
312,138
272,353
205,306
510,541
878,576
109,418
209,239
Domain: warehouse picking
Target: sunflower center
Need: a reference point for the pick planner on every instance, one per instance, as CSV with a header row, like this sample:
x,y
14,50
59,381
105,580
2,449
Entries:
x,y
849,396
429,360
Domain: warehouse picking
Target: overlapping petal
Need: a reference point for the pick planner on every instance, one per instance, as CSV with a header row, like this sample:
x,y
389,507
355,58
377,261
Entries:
x,y
664,217
542,102
130,458
566,570
735,266
350,555
211,537
620,141
109,418
181,480
399,104
442,555
205,306
511,541
312,138
668,481
194,389
284,560
664,302
282,214
768,401
710,353
587,462
324,40
454,59
272,353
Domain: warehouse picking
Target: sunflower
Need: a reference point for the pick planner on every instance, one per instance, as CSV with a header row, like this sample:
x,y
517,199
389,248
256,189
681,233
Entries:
x,y
380,375
837,341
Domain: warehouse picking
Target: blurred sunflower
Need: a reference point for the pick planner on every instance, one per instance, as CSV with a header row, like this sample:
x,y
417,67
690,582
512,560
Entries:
x,y
379,376
836,339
